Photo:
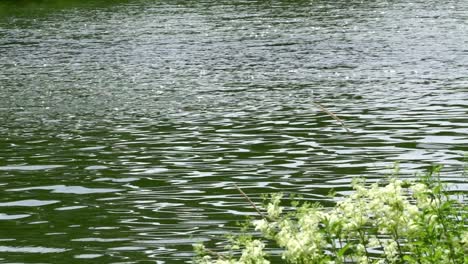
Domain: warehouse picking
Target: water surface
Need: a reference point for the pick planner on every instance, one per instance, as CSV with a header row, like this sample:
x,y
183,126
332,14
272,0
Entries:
x,y
124,125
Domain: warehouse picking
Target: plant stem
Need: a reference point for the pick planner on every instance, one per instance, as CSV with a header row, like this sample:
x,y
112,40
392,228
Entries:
x,y
321,107
250,201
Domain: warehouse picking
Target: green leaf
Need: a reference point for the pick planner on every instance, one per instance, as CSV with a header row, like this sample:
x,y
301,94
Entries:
x,y
341,253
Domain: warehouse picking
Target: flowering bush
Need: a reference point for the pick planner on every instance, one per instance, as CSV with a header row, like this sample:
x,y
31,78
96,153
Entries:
x,y
400,222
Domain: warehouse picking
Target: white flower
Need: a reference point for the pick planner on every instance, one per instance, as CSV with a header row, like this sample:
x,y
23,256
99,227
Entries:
x,y
253,253
419,189
464,238
274,210
374,242
363,260
391,250
261,225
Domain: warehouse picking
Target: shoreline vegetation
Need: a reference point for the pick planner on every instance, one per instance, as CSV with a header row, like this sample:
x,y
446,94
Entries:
x,y
398,221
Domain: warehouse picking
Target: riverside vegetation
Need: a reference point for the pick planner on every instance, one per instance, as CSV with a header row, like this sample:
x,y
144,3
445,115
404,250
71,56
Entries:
x,y
399,221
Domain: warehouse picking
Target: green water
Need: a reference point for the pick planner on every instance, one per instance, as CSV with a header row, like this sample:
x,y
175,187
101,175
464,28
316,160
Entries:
x,y
124,125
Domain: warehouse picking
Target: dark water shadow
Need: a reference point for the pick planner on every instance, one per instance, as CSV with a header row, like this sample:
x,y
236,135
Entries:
x,y
9,9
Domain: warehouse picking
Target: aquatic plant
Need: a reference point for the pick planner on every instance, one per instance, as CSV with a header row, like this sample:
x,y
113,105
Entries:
x,y
400,221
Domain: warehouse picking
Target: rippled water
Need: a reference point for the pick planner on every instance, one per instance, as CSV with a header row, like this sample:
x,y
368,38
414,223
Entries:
x,y
124,125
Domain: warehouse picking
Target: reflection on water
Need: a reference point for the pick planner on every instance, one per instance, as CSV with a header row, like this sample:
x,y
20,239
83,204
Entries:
x,y
31,249
28,203
67,189
124,125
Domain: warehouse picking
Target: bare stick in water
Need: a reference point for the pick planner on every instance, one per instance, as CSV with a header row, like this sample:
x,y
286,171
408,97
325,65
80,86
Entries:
x,y
250,201
332,115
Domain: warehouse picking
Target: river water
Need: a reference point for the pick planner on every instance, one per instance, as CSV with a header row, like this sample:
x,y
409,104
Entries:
x,y
124,125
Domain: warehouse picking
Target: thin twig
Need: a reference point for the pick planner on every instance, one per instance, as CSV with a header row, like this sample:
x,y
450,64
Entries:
x,y
332,115
250,201
214,253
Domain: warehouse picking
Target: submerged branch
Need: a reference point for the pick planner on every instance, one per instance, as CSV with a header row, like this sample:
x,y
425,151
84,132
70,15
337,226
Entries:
x,y
250,201
321,107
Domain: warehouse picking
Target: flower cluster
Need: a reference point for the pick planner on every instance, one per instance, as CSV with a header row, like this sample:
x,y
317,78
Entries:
x,y
251,254
399,222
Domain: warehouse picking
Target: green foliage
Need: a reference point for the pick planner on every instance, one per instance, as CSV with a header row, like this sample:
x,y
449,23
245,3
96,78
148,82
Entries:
x,y
399,222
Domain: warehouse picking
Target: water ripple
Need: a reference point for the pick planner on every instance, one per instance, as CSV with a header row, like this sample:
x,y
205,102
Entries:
x,y
29,167
67,189
136,119
41,250
29,203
